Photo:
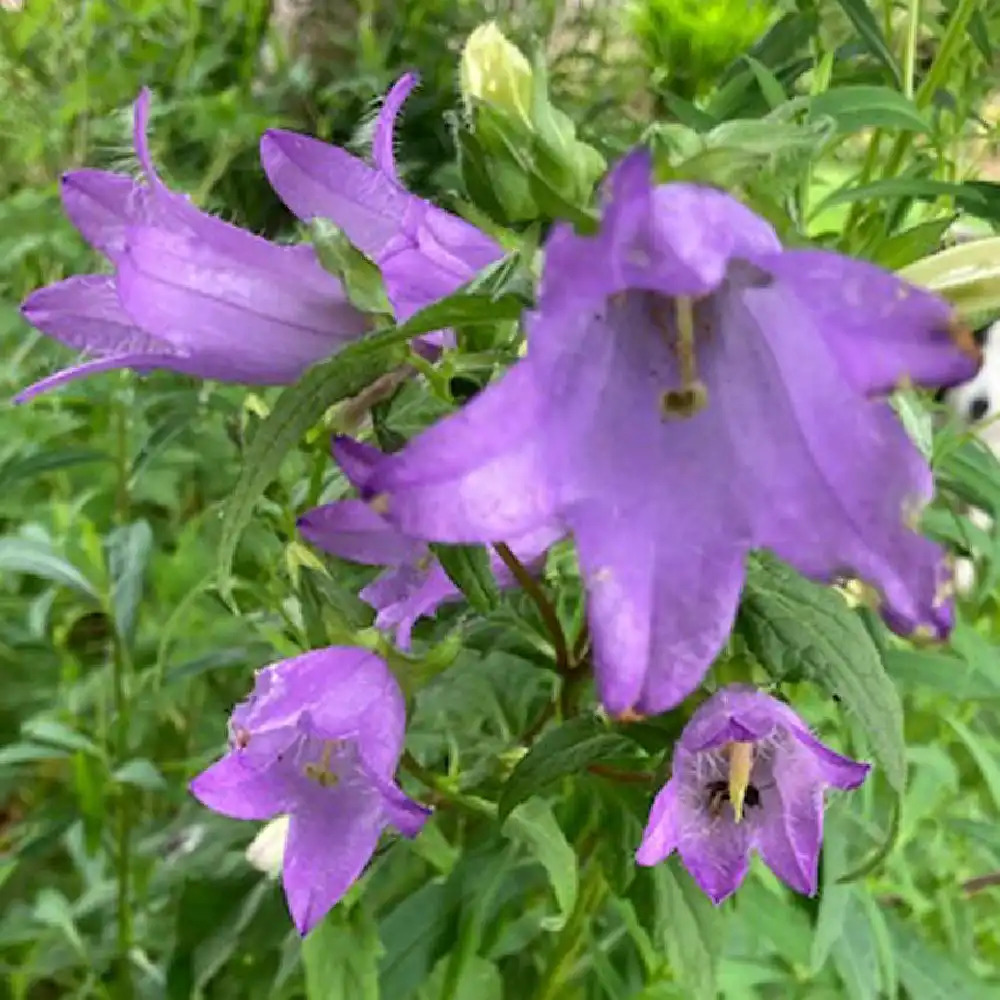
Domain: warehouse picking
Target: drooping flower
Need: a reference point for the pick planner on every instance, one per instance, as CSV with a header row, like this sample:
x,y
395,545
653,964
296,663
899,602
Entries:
x,y
423,252
692,391
747,776
319,740
414,584
189,292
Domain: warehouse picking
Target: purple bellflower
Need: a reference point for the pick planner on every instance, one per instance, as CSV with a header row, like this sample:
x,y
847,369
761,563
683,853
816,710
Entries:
x,y
747,775
189,292
423,252
319,740
414,584
692,391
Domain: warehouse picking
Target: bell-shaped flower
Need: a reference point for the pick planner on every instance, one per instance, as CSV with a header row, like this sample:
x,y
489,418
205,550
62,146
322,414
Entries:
x,y
414,583
423,252
692,391
318,740
188,292
747,776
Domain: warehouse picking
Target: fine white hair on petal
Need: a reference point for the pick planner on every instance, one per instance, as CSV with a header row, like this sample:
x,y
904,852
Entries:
x,y
266,851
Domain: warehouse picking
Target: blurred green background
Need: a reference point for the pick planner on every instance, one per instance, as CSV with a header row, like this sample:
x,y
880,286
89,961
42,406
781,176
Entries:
x,y
118,659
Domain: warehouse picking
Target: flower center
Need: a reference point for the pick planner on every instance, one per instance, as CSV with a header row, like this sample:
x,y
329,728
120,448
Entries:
x,y
692,395
323,771
739,791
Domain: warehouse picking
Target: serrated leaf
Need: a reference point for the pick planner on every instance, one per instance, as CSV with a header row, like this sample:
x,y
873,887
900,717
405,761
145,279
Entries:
x,y
855,955
792,625
859,107
341,956
533,824
297,409
861,16
560,752
36,558
468,567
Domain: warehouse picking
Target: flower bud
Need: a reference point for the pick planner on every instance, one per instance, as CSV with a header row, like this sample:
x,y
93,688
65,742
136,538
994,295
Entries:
x,y
496,72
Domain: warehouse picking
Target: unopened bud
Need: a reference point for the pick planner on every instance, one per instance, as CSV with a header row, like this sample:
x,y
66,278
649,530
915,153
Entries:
x,y
496,72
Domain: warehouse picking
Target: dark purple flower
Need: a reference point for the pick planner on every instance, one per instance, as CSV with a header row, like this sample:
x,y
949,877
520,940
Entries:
x,y
319,740
414,584
747,776
692,391
423,252
189,292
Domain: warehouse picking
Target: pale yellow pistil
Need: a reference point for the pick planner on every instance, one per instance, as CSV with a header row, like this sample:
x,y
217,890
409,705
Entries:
x,y
321,771
692,396
740,764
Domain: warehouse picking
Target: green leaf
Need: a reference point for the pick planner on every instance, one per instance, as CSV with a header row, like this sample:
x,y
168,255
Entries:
x,y
903,249
855,955
477,980
140,773
859,107
881,852
297,409
36,558
533,824
129,549
863,19
982,755
770,85
793,626
468,567
929,973
50,731
341,956
563,751
689,930
362,280
979,198
27,467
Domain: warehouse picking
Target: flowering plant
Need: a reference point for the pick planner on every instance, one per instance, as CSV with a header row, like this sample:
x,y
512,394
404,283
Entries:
x,y
621,509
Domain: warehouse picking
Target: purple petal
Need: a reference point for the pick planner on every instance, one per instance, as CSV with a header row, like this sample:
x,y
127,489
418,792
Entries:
x,y
101,204
350,529
232,788
385,124
717,855
432,257
834,769
85,313
478,475
663,829
316,180
830,480
241,322
329,844
401,596
356,458
660,604
138,362
348,694
881,330
788,827
737,712
676,238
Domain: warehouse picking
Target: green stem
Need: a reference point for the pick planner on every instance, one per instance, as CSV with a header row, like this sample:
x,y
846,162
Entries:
x,y
121,671
573,936
122,502
445,789
545,607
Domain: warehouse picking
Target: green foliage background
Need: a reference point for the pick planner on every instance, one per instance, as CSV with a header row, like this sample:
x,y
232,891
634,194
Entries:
x,y
120,657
